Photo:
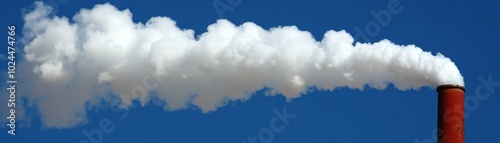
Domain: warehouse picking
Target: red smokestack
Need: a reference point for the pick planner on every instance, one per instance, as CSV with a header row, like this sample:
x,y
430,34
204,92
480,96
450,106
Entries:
x,y
450,113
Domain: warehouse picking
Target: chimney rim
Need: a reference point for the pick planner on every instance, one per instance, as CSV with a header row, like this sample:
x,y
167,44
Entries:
x,y
450,86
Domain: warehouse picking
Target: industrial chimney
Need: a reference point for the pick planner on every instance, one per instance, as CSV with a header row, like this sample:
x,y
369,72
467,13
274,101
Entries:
x,y
450,113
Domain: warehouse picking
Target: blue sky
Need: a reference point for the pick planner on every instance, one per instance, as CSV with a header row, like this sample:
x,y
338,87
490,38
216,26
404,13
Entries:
x,y
465,31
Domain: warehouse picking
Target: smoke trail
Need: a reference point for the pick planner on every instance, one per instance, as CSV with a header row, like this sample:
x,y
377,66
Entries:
x,y
101,54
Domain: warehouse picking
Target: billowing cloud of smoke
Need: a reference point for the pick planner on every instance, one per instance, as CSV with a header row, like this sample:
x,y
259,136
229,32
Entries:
x,y
102,55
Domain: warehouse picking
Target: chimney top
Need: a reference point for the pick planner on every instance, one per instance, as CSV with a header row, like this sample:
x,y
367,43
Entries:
x,y
448,86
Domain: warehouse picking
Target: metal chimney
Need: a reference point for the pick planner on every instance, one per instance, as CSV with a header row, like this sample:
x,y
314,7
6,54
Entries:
x,y
450,113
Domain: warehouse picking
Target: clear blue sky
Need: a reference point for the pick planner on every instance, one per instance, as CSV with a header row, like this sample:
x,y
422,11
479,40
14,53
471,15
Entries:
x,y
465,31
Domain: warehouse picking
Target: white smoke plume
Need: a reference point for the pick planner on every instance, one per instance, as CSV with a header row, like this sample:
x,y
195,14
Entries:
x,y
100,54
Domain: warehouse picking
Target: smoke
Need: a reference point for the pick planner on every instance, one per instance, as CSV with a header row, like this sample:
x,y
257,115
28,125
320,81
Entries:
x,y
71,65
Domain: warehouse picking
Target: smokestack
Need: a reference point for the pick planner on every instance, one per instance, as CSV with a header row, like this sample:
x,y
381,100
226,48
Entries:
x,y
450,113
